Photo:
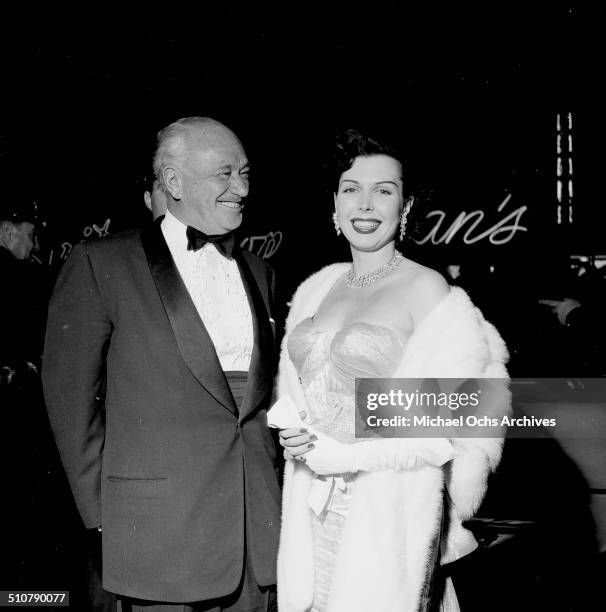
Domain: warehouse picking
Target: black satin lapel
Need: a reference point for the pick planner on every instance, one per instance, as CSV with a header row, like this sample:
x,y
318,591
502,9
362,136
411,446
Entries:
x,y
260,376
195,345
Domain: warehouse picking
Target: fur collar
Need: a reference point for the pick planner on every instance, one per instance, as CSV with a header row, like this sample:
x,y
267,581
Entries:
x,y
395,518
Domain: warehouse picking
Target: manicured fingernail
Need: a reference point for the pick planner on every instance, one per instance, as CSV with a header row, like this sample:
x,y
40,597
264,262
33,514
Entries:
x,y
304,431
311,445
313,437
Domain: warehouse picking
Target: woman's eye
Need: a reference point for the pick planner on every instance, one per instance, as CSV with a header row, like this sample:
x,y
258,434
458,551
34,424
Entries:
x,y
384,192
348,190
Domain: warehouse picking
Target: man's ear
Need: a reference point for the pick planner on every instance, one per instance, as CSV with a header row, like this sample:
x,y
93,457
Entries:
x,y
173,181
147,199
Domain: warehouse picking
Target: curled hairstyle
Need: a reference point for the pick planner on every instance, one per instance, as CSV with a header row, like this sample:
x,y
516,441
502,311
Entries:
x,y
350,144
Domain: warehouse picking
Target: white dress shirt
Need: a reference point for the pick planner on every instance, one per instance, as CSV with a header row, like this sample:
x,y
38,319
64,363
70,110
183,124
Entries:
x,y
216,288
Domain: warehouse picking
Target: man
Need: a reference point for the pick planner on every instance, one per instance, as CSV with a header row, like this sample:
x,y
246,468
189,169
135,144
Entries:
x,y
20,313
155,198
32,483
17,235
158,370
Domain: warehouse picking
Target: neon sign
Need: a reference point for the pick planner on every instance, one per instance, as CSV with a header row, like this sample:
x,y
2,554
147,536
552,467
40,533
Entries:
x,y
499,233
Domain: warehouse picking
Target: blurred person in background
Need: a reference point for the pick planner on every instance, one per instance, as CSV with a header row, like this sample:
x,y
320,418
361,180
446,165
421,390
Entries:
x,y
155,197
579,310
20,310
35,500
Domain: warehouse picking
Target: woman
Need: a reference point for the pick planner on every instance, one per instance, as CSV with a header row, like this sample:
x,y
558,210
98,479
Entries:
x,y
365,523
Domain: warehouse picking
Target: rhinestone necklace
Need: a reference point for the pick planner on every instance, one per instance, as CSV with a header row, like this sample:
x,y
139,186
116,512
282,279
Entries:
x,y
356,281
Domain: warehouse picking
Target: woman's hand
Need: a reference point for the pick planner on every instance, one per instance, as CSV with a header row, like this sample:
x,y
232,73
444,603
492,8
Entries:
x,y
296,442
322,454
326,456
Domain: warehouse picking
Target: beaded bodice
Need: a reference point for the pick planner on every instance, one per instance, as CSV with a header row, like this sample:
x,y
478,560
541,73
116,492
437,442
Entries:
x,y
328,364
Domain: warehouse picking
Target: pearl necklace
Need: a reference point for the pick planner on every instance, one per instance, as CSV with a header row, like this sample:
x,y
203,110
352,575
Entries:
x,y
357,281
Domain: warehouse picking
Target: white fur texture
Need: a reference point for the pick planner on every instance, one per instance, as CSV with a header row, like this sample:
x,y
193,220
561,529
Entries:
x,y
393,517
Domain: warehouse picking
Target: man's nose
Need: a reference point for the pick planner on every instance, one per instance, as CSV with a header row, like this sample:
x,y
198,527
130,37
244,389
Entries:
x,y
239,186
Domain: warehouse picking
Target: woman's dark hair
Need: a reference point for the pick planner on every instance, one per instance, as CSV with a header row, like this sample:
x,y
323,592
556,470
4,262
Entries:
x,y
350,144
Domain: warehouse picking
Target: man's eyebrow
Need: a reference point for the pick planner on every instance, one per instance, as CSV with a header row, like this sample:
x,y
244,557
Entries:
x,y
229,166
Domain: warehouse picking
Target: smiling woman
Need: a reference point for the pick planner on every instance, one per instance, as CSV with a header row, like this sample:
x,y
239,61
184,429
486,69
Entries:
x,y
362,513
369,198
369,201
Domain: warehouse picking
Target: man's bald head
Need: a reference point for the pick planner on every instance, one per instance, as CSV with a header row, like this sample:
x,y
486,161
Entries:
x,y
177,141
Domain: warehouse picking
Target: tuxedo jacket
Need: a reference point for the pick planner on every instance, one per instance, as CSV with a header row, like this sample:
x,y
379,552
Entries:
x,y
154,446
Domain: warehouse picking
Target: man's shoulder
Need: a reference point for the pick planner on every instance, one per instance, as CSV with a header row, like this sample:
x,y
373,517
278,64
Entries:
x,y
114,242
115,251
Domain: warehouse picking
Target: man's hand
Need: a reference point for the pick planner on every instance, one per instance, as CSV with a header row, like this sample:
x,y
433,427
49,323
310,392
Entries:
x,y
296,442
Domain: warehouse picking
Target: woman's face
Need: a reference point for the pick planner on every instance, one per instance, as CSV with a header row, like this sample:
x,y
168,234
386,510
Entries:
x,y
369,201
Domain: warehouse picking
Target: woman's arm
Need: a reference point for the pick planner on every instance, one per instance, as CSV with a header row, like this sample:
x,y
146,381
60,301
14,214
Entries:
x,y
325,456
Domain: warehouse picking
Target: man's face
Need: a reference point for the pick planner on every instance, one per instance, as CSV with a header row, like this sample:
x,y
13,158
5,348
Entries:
x,y
215,183
22,239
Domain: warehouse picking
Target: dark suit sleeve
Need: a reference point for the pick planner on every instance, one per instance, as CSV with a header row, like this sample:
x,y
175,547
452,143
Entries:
x,y
73,375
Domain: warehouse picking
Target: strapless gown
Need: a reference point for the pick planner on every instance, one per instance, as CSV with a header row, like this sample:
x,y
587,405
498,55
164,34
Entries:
x,y
327,364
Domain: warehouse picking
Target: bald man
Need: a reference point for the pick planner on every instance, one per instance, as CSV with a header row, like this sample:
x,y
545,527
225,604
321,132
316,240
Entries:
x,y
157,371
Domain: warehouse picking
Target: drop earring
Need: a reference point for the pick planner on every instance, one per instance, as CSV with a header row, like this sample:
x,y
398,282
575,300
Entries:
x,y
404,218
336,222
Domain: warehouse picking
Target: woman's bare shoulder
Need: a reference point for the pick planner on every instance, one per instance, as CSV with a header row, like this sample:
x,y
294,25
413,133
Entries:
x,y
424,288
422,279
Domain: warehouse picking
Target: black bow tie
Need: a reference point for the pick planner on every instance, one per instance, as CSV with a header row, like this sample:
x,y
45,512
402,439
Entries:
x,y
226,243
